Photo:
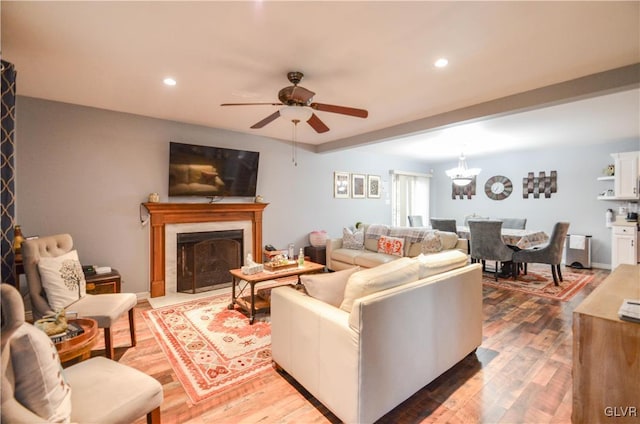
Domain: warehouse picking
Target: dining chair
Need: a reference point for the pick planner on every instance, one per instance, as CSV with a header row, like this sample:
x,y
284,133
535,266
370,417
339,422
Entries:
x,y
549,254
35,388
415,221
514,223
487,245
444,225
106,309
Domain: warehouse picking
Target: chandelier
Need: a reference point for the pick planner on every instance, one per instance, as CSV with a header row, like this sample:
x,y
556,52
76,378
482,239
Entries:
x,y
462,175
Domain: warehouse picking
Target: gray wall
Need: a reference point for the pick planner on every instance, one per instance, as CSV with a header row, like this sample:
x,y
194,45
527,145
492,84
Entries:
x,y
85,171
575,200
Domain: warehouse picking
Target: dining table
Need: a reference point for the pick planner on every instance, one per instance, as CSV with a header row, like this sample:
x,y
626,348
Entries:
x,y
522,239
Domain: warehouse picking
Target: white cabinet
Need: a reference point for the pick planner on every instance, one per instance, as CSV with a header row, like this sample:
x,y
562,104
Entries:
x,y
624,245
625,184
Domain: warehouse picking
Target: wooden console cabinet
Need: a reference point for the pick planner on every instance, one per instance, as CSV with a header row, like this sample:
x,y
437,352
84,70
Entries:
x,y
606,353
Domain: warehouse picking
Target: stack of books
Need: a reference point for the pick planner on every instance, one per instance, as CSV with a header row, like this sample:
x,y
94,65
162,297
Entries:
x,y
630,310
73,330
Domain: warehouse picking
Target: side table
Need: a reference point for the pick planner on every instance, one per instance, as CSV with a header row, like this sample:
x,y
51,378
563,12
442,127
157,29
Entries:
x,y
103,283
316,254
79,346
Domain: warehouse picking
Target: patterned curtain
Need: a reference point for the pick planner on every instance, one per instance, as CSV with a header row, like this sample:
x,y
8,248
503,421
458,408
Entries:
x,y
7,150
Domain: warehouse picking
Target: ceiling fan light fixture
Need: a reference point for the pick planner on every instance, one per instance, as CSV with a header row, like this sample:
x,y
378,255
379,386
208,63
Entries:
x,y
300,113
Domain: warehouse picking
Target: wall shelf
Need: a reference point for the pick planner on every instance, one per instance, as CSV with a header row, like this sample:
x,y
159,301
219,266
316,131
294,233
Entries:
x,y
607,178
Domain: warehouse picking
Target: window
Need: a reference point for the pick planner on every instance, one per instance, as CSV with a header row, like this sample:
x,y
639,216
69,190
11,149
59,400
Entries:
x,y
409,196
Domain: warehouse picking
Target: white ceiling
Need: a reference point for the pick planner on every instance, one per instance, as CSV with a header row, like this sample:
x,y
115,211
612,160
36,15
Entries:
x,y
372,55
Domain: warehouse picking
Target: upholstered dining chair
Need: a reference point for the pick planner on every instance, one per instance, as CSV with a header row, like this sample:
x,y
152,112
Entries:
x,y
514,223
104,308
448,225
550,254
35,388
415,221
486,244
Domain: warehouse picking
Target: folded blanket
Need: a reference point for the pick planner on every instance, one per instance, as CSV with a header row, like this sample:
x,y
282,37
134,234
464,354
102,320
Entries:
x,y
374,231
410,234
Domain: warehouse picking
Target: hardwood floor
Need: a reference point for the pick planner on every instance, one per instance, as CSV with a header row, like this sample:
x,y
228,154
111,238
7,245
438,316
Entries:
x,y
520,374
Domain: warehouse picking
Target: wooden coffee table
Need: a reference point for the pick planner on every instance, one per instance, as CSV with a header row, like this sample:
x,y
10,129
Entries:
x,y
249,303
79,346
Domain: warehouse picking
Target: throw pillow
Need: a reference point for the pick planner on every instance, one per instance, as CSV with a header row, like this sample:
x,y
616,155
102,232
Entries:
x,y
352,239
449,240
432,242
328,287
391,245
62,279
381,277
40,384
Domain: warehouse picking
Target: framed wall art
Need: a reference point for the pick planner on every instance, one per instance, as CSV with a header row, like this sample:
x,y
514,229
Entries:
x,y
358,185
341,185
373,186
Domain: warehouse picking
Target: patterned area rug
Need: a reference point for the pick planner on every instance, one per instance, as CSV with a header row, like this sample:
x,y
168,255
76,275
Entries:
x,y
210,347
539,282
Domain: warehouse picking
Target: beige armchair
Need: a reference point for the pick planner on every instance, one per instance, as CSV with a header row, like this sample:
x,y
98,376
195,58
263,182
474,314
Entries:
x,y
36,390
104,308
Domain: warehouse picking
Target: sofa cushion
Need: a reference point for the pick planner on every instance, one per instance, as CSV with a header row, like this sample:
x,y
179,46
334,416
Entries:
x,y
372,234
348,256
328,287
440,262
352,239
391,245
367,259
62,279
39,381
386,276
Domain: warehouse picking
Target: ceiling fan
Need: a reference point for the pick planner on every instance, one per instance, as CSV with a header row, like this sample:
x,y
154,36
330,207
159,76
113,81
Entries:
x,y
299,107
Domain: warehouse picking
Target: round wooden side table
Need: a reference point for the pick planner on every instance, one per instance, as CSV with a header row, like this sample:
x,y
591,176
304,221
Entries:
x,y
79,346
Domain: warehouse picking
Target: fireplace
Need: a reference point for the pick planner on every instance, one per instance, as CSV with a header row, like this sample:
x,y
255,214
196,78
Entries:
x,y
205,258
169,219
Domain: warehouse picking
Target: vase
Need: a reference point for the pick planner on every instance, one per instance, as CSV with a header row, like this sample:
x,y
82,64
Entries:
x,y
318,238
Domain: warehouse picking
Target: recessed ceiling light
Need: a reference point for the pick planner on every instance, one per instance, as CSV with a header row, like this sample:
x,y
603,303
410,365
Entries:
x,y
441,63
169,81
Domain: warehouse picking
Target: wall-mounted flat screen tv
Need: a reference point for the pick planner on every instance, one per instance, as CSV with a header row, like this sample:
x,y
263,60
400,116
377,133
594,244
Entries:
x,y
212,171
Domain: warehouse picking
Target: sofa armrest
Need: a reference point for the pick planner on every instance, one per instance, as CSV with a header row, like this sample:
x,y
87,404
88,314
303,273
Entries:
x,y
312,341
463,245
332,244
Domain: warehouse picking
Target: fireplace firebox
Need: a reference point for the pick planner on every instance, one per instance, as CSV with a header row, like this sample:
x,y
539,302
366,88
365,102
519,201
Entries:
x,y
205,258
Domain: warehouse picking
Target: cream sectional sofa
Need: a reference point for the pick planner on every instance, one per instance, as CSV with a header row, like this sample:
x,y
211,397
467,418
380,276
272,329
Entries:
x,y
396,328
340,257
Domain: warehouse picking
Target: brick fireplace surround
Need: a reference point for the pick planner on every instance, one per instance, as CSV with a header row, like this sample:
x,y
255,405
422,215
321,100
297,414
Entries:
x,y
179,213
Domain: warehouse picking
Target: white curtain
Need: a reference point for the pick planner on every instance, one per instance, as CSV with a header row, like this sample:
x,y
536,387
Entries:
x,y
410,196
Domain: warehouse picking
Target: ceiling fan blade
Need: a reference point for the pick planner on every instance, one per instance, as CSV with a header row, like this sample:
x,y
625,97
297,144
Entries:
x,y
266,120
360,113
250,104
317,124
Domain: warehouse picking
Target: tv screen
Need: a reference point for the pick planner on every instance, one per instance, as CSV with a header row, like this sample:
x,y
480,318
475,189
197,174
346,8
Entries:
x,y
211,171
